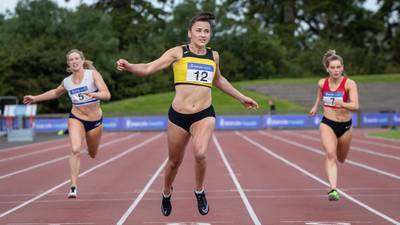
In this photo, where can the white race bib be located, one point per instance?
(330, 98)
(198, 72)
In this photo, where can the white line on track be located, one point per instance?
(61, 158)
(377, 143)
(83, 174)
(34, 153)
(297, 167)
(40, 151)
(142, 193)
(352, 147)
(190, 223)
(32, 145)
(237, 184)
(308, 148)
(307, 222)
(358, 139)
(47, 223)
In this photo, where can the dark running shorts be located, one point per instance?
(338, 127)
(186, 120)
(89, 125)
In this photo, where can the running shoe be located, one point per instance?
(166, 206)
(73, 192)
(202, 204)
(333, 195)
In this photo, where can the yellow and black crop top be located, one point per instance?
(194, 69)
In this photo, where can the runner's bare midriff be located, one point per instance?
(338, 115)
(191, 98)
(91, 112)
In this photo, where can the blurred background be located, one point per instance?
(270, 50)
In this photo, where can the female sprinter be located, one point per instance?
(191, 115)
(340, 98)
(85, 87)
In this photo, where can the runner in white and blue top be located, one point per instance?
(86, 88)
(77, 92)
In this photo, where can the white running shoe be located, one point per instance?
(73, 192)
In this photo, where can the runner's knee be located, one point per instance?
(174, 163)
(330, 156)
(76, 149)
(92, 152)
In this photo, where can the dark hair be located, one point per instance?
(329, 56)
(202, 16)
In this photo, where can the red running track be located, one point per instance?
(253, 177)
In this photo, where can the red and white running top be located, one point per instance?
(329, 97)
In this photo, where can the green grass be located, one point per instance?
(158, 104)
(378, 78)
(390, 134)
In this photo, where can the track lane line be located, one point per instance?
(357, 138)
(323, 153)
(368, 151)
(141, 194)
(297, 167)
(82, 174)
(42, 151)
(60, 158)
(239, 188)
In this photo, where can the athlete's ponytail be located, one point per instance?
(329, 56)
(87, 64)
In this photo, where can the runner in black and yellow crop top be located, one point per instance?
(191, 115)
(194, 69)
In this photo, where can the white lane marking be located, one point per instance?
(31, 145)
(357, 139)
(237, 184)
(60, 158)
(297, 167)
(377, 143)
(142, 193)
(46, 223)
(323, 153)
(82, 174)
(191, 223)
(325, 222)
(33, 153)
(40, 151)
(352, 147)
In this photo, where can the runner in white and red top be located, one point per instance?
(340, 98)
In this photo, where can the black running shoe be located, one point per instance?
(166, 206)
(202, 204)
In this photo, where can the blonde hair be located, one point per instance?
(329, 56)
(87, 64)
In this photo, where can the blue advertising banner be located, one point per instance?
(291, 121)
(224, 122)
(48, 125)
(374, 119)
(111, 124)
(143, 123)
(396, 119)
(238, 122)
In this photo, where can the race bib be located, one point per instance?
(198, 72)
(78, 94)
(330, 98)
